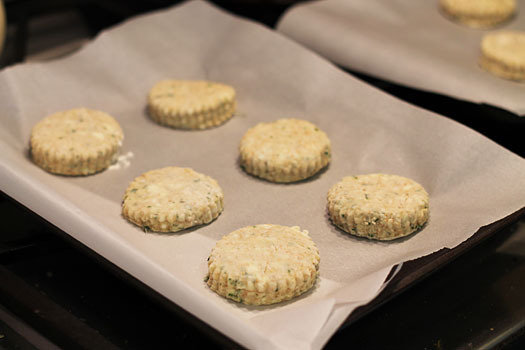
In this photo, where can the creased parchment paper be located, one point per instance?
(407, 42)
(471, 180)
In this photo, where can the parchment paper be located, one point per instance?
(471, 180)
(407, 42)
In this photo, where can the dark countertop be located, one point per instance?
(56, 293)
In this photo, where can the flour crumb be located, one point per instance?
(123, 161)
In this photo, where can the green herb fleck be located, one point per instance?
(366, 196)
(133, 190)
(416, 227)
(147, 229)
(234, 295)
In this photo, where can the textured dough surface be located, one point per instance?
(78, 141)
(285, 150)
(172, 199)
(263, 264)
(188, 104)
(479, 13)
(378, 206)
(503, 54)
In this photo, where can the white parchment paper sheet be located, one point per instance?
(471, 180)
(407, 42)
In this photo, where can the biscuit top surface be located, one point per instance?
(80, 129)
(285, 138)
(479, 7)
(172, 189)
(265, 253)
(379, 192)
(190, 95)
(507, 46)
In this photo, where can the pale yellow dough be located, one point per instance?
(479, 13)
(285, 150)
(378, 206)
(78, 141)
(172, 199)
(263, 264)
(503, 54)
(191, 104)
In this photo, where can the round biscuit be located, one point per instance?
(478, 13)
(172, 199)
(189, 104)
(78, 141)
(503, 54)
(378, 206)
(263, 264)
(285, 150)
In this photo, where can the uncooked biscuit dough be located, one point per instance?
(263, 264)
(78, 141)
(378, 206)
(172, 199)
(285, 150)
(191, 104)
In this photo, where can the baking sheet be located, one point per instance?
(471, 180)
(407, 42)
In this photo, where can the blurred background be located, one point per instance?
(39, 30)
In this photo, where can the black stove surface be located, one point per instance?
(55, 293)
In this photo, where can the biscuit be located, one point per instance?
(378, 206)
(285, 150)
(263, 264)
(478, 13)
(78, 141)
(187, 104)
(503, 54)
(172, 199)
